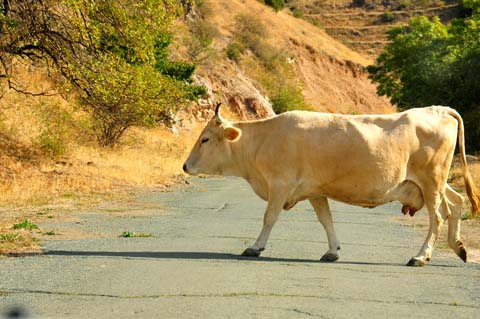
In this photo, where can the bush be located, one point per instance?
(251, 33)
(288, 98)
(203, 33)
(249, 29)
(387, 17)
(50, 144)
(58, 126)
(297, 13)
(233, 51)
(277, 5)
(274, 73)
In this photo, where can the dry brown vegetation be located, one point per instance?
(49, 149)
(49, 155)
(331, 75)
(362, 24)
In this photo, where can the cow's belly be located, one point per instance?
(371, 194)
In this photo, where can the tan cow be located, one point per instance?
(364, 160)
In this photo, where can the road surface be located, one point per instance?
(190, 267)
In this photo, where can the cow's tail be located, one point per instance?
(472, 192)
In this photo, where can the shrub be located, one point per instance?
(387, 17)
(288, 98)
(203, 33)
(251, 33)
(277, 5)
(50, 144)
(233, 51)
(26, 224)
(249, 28)
(358, 3)
(297, 13)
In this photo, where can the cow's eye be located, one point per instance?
(204, 140)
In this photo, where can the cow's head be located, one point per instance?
(212, 152)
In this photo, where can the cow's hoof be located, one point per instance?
(460, 250)
(462, 253)
(415, 262)
(329, 257)
(250, 252)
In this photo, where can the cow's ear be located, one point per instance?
(232, 134)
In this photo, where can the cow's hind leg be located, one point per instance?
(455, 201)
(275, 204)
(437, 207)
(325, 217)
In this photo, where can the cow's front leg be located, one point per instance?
(277, 199)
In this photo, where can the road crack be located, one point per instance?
(230, 295)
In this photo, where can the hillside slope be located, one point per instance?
(49, 150)
(333, 76)
(362, 24)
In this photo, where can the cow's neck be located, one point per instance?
(242, 161)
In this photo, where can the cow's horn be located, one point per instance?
(217, 108)
(217, 113)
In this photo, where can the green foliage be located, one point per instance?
(129, 234)
(430, 63)
(126, 234)
(116, 104)
(26, 224)
(249, 29)
(273, 72)
(277, 5)
(112, 55)
(251, 34)
(387, 17)
(10, 237)
(198, 45)
(474, 5)
(288, 98)
(234, 51)
(59, 126)
(50, 144)
(297, 13)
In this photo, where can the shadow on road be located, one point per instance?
(201, 255)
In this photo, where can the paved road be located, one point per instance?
(190, 268)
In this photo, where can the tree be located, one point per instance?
(429, 63)
(111, 54)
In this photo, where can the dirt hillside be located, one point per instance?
(362, 24)
(333, 76)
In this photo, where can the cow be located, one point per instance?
(363, 160)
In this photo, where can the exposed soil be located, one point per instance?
(333, 76)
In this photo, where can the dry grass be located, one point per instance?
(18, 243)
(68, 168)
(86, 176)
(332, 75)
(49, 150)
(470, 227)
(456, 175)
(153, 158)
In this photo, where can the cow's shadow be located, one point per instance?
(190, 255)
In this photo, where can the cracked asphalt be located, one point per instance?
(190, 267)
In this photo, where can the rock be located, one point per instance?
(239, 92)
